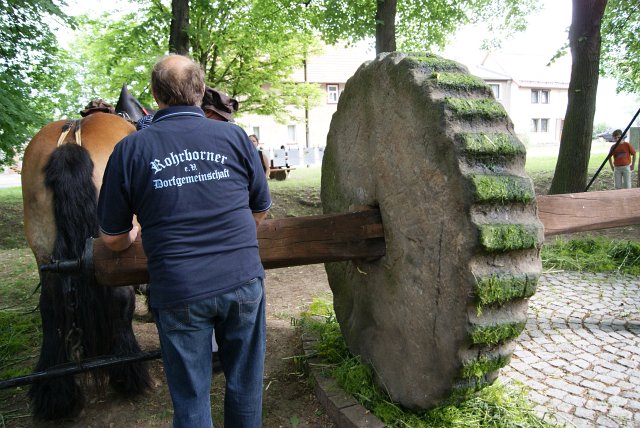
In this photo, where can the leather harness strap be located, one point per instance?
(76, 126)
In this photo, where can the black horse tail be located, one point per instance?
(66, 332)
(79, 319)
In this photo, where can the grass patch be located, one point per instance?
(507, 237)
(300, 178)
(547, 164)
(502, 188)
(19, 275)
(499, 289)
(20, 333)
(477, 369)
(11, 219)
(468, 109)
(458, 81)
(436, 63)
(490, 144)
(19, 341)
(594, 254)
(298, 195)
(496, 406)
(494, 334)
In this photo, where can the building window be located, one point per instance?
(539, 96)
(256, 132)
(539, 125)
(495, 87)
(332, 94)
(544, 125)
(291, 133)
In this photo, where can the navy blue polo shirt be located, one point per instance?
(193, 184)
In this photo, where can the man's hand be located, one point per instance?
(120, 242)
(258, 217)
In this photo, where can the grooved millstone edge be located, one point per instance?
(427, 143)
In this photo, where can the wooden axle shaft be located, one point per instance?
(283, 242)
(582, 212)
(359, 235)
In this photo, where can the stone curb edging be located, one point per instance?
(341, 407)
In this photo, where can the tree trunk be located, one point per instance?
(178, 37)
(575, 143)
(386, 26)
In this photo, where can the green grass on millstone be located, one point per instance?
(493, 334)
(477, 369)
(502, 188)
(490, 145)
(469, 108)
(499, 289)
(437, 64)
(507, 237)
(458, 81)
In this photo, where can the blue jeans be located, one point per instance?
(185, 340)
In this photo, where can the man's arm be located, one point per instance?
(120, 242)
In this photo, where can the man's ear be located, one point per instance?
(160, 104)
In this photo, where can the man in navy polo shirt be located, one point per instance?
(198, 191)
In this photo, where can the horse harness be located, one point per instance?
(76, 126)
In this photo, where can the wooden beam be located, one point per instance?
(581, 212)
(359, 235)
(283, 242)
(318, 239)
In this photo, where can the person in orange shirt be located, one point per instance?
(622, 158)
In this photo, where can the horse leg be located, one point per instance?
(59, 397)
(143, 290)
(127, 379)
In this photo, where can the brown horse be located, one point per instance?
(61, 177)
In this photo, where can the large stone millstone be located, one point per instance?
(427, 143)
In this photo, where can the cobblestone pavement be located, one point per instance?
(580, 353)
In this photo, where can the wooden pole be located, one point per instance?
(581, 212)
(360, 235)
(283, 242)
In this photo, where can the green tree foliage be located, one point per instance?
(253, 51)
(621, 44)
(109, 52)
(31, 71)
(248, 49)
(420, 24)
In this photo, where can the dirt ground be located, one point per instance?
(289, 400)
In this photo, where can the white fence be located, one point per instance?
(296, 157)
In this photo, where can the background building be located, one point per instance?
(533, 93)
(535, 97)
(330, 71)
